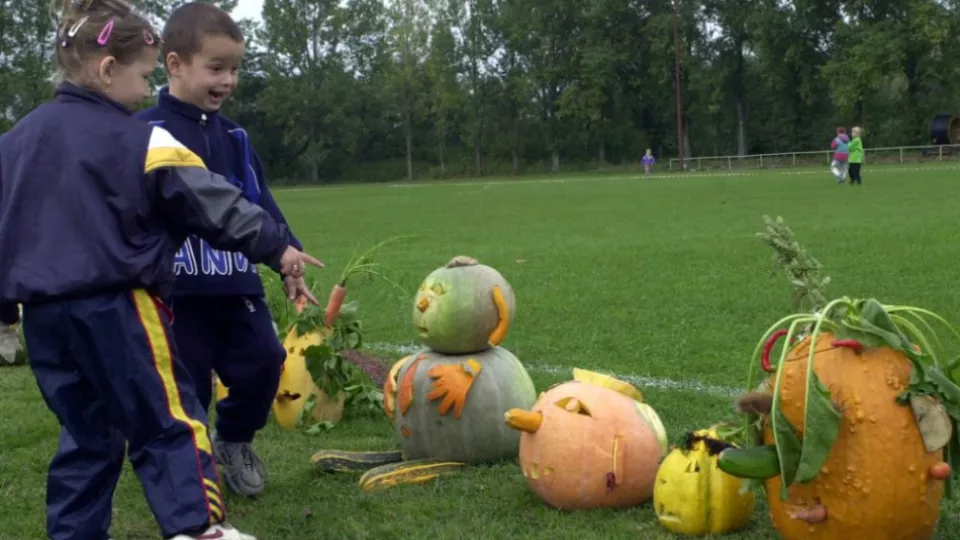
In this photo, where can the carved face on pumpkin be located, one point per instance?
(693, 496)
(464, 307)
(586, 446)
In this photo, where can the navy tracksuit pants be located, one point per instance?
(108, 370)
(234, 336)
(9, 313)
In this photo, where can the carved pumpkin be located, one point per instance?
(452, 407)
(586, 446)
(296, 385)
(463, 307)
(693, 496)
(876, 482)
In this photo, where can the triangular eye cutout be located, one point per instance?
(574, 405)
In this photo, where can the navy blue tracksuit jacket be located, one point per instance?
(94, 204)
(223, 323)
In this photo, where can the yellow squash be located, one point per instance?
(693, 496)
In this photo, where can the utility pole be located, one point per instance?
(676, 69)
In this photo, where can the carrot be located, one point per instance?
(337, 295)
(301, 303)
(940, 471)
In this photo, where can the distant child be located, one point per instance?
(648, 160)
(223, 321)
(840, 145)
(856, 156)
(88, 251)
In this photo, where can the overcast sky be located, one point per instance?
(248, 9)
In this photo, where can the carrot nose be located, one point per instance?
(423, 304)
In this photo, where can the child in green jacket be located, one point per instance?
(856, 156)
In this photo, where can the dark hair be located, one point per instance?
(841, 130)
(190, 23)
(90, 28)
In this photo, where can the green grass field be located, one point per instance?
(659, 279)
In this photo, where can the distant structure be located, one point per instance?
(945, 129)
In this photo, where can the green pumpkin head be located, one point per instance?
(464, 307)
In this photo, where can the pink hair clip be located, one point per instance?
(105, 33)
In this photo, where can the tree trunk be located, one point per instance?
(478, 152)
(741, 128)
(443, 165)
(515, 147)
(555, 160)
(601, 149)
(409, 136)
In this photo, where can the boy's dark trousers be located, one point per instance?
(855, 173)
(107, 369)
(234, 336)
(9, 313)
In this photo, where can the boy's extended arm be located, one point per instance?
(205, 204)
(266, 199)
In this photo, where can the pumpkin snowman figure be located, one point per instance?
(448, 400)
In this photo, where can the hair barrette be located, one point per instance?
(76, 26)
(105, 33)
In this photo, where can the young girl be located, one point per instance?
(840, 145)
(648, 161)
(89, 253)
(856, 156)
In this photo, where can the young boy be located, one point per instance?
(856, 156)
(840, 145)
(222, 320)
(648, 161)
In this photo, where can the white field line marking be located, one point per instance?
(618, 177)
(641, 381)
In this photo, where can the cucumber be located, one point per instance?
(344, 461)
(759, 462)
(416, 471)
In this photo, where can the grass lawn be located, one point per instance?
(661, 279)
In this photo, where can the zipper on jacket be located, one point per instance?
(206, 139)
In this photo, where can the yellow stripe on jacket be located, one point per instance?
(164, 150)
(163, 362)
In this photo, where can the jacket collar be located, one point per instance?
(69, 90)
(187, 110)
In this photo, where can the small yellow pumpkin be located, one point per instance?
(296, 384)
(693, 496)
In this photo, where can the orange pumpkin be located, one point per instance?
(586, 446)
(875, 482)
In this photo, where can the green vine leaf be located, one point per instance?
(821, 427)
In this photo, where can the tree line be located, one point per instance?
(376, 90)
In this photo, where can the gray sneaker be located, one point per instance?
(10, 350)
(241, 469)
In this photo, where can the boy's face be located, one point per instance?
(208, 78)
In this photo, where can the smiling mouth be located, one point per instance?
(217, 95)
(422, 330)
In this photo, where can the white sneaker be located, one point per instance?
(221, 531)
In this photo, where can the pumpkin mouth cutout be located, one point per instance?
(574, 405)
(535, 471)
